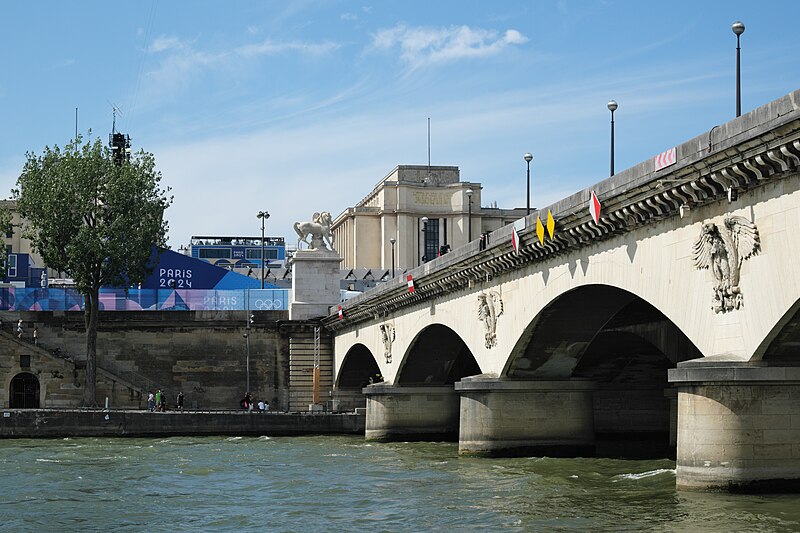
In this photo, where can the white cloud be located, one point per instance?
(349, 16)
(164, 43)
(422, 46)
(270, 47)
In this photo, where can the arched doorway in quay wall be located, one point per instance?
(24, 392)
(623, 347)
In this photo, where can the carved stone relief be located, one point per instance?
(490, 306)
(387, 335)
(722, 248)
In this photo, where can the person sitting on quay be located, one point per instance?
(246, 403)
(261, 405)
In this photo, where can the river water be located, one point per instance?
(345, 484)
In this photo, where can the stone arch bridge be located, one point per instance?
(670, 325)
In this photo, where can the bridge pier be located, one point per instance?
(738, 426)
(508, 418)
(411, 413)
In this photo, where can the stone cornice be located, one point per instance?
(761, 146)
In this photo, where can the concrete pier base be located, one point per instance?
(518, 418)
(738, 427)
(411, 413)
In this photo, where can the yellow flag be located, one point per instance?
(540, 230)
(551, 224)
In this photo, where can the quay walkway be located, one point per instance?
(60, 423)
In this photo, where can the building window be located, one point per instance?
(214, 253)
(11, 266)
(255, 253)
(432, 239)
(9, 231)
(24, 361)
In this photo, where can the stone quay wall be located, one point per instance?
(51, 423)
(202, 353)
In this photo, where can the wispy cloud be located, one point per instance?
(348, 16)
(270, 47)
(421, 46)
(181, 60)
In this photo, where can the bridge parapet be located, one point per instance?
(761, 146)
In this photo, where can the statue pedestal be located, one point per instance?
(315, 283)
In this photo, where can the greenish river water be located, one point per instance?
(344, 484)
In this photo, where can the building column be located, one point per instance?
(411, 413)
(515, 418)
(738, 426)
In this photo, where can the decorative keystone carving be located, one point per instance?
(320, 230)
(490, 306)
(722, 249)
(387, 334)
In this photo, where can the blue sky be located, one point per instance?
(303, 106)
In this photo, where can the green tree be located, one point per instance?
(5, 227)
(93, 219)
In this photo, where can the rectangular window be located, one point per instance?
(432, 239)
(11, 266)
(24, 361)
(214, 253)
(255, 253)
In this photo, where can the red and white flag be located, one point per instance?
(410, 283)
(594, 208)
(515, 240)
(341, 313)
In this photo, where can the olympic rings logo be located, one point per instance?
(267, 304)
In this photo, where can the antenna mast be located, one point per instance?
(429, 148)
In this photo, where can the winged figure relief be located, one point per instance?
(722, 248)
(490, 306)
(387, 335)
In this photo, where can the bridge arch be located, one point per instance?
(437, 356)
(555, 340)
(623, 346)
(783, 342)
(359, 369)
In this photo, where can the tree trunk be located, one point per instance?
(91, 318)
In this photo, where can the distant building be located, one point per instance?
(24, 268)
(426, 210)
(239, 252)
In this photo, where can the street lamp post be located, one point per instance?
(424, 239)
(469, 215)
(528, 158)
(263, 215)
(392, 241)
(738, 28)
(612, 106)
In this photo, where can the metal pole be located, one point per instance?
(392, 241)
(262, 252)
(738, 28)
(528, 196)
(738, 79)
(469, 220)
(612, 143)
(247, 343)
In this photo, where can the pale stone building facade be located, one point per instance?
(423, 209)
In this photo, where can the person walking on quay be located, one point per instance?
(19, 329)
(36, 336)
(163, 407)
(158, 400)
(151, 402)
(180, 401)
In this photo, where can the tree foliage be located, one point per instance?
(5, 227)
(94, 220)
